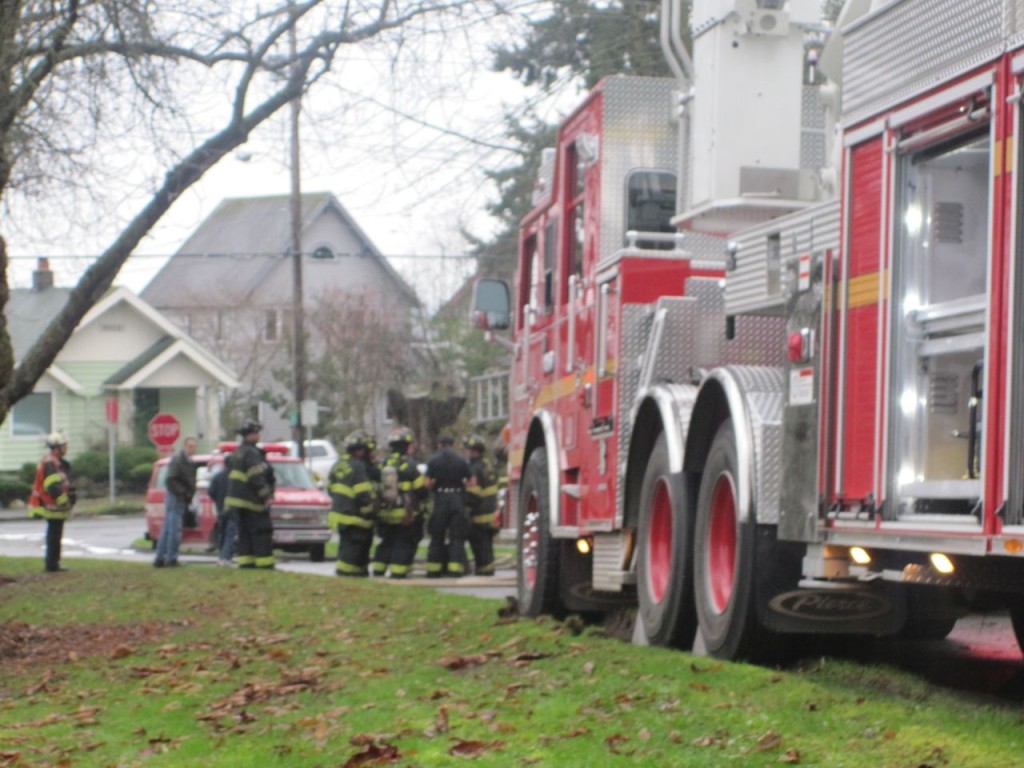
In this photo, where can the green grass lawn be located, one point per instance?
(119, 664)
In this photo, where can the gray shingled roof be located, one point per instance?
(239, 244)
(28, 314)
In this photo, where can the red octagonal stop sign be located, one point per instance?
(164, 430)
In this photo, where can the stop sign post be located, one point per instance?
(164, 431)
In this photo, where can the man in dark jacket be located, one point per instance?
(179, 488)
(250, 491)
(227, 522)
(447, 475)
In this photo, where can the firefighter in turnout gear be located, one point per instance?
(447, 476)
(53, 496)
(250, 489)
(400, 520)
(481, 504)
(352, 508)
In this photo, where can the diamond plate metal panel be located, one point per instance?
(764, 393)
(675, 353)
(907, 44)
(813, 154)
(636, 329)
(758, 340)
(1013, 17)
(640, 131)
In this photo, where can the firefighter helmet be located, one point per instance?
(249, 426)
(355, 440)
(371, 443)
(55, 439)
(400, 436)
(474, 443)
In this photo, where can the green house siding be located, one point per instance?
(182, 403)
(85, 416)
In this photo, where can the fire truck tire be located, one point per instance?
(664, 568)
(537, 563)
(724, 554)
(317, 553)
(1016, 607)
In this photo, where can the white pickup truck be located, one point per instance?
(320, 456)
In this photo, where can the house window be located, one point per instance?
(271, 328)
(32, 415)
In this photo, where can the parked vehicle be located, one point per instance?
(298, 510)
(788, 399)
(321, 455)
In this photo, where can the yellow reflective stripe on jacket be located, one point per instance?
(476, 490)
(50, 514)
(334, 519)
(342, 490)
(233, 502)
(237, 474)
(487, 519)
(392, 516)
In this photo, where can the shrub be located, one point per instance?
(137, 478)
(27, 473)
(14, 489)
(95, 465)
(91, 465)
(128, 457)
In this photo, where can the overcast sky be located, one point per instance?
(402, 147)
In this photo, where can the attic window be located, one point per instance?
(323, 253)
(271, 327)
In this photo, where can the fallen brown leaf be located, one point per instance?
(767, 740)
(463, 748)
(463, 662)
(373, 754)
(791, 756)
(614, 743)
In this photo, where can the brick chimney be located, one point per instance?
(42, 276)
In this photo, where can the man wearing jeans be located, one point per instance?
(180, 487)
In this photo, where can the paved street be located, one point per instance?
(111, 538)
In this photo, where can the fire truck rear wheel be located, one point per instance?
(317, 553)
(537, 565)
(1016, 607)
(664, 568)
(724, 556)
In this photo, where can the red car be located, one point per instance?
(298, 510)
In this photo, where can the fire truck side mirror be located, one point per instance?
(491, 305)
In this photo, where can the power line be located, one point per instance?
(239, 255)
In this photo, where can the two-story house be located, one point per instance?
(230, 286)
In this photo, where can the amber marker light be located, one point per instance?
(1013, 546)
(859, 555)
(941, 563)
(583, 546)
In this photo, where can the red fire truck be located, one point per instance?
(767, 323)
